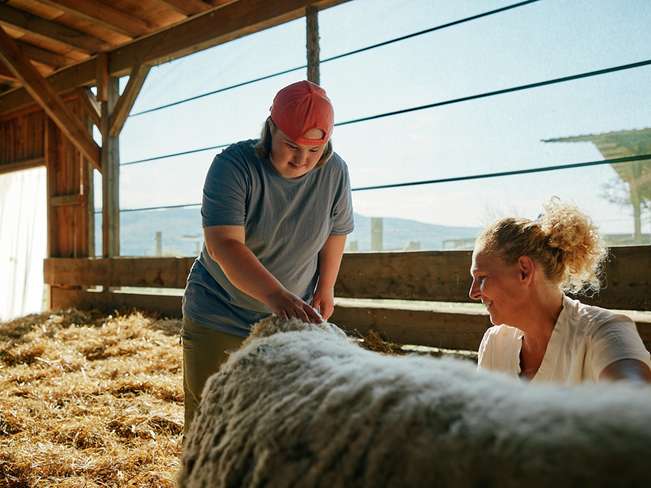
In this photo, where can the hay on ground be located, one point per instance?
(90, 400)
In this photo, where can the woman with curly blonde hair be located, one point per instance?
(521, 270)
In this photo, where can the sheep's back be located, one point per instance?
(303, 406)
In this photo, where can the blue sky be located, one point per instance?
(544, 40)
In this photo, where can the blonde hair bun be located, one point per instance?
(563, 240)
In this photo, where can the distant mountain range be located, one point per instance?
(181, 234)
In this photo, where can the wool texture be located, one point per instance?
(302, 405)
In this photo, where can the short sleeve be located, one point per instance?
(615, 340)
(342, 210)
(484, 350)
(225, 191)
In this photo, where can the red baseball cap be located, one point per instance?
(300, 107)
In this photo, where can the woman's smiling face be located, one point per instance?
(499, 286)
(293, 160)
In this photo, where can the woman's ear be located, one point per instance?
(526, 268)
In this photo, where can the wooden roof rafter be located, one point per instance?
(105, 15)
(47, 98)
(49, 30)
(50, 58)
(225, 20)
(188, 7)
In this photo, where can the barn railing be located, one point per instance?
(408, 291)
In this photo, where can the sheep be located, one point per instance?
(302, 405)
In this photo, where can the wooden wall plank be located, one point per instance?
(21, 140)
(429, 276)
(166, 305)
(68, 174)
(420, 327)
(121, 271)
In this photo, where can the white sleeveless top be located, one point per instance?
(585, 340)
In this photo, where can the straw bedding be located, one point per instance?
(89, 400)
(301, 405)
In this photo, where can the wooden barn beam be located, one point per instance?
(7, 74)
(44, 56)
(229, 22)
(220, 3)
(50, 30)
(47, 98)
(201, 32)
(103, 14)
(128, 98)
(187, 7)
(21, 165)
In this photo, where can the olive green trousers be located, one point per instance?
(204, 351)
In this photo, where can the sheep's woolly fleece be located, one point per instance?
(301, 405)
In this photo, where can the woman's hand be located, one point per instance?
(324, 301)
(287, 305)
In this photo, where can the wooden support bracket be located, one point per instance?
(47, 98)
(125, 103)
(91, 105)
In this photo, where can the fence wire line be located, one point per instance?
(171, 155)
(528, 86)
(539, 169)
(338, 56)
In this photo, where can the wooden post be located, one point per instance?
(377, 234)
(108, 95)
(159, 243)
(312, 45)
(50, 151)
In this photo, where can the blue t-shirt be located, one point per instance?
(286, 223)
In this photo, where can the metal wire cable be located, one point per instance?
(338, 56)
(452, 101)
(528, 86)
(171, 155)
(539, 169)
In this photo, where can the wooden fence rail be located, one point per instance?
(440, 276)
